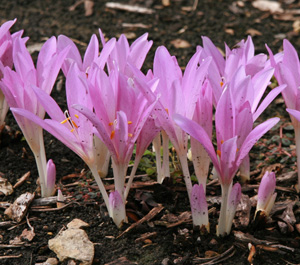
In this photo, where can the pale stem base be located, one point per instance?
(201, 162)
(182, 154)
(222, 228)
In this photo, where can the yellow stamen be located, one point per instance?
(112, 134)
(76, 116)
(221, 83)
(110, 124)
(219, 153)
(129, 122)
(167, 111)
(65, 120)
(237, 150)
(222, 141)
(72, 130)
(130, 134)
(73, 122)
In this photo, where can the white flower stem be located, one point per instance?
(100, 184)
(201, 162)
(297, 139)
(166, 159)
(222, 224)
(132, 174)
(185, 170)
(157, 146)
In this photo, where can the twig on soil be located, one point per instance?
(215, 260)
(247, 238)
(11, 257)
(51, 209)
(46, 201)
(14, 226)
(129, 8)
(22, 180)
(149, 216)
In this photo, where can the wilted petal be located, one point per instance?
(117, 208)
(199, 207)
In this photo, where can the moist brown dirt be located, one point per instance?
(222, 21)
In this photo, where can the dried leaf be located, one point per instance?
(229, 31)
(296, 26)
(165, 2)
(88, 7)
(179, 43)
(5, 187)
(20, 207)
(22, 179)
(265, 5)
(253, 32)
(243, 212)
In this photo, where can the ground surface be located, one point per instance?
(171, 242)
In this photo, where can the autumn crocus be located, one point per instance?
(250, 74)
(235, 138)
(69, 126)
(178, 94)
(121, 111)
(17, 86)
(91, 57)
(266, 194)
(287, 72)
(6, 59)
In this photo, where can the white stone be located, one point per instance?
(73, 244)
(77, 223)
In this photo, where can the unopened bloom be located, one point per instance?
(266, 193)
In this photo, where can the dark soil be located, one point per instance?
(222, 21)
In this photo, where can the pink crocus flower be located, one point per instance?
(91, 57)
(235, 138)
(6, 59)
(121, 111)
(250, 74)
(266, 195)
(287, 72)
(17, 86)
(124, 54)
(178, 94)
(70, 127)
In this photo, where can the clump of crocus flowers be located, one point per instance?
(114, 108)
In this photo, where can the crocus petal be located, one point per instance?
(91, 53)
(199, 207)
(139, 49)
(295, 113)
(267, 100)
(260, 82)
(291, 60)
(98, 126)
(196, 131)
(254, 136)
(227, 160)
(213, 51)
(73, 54)
(225, 117)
